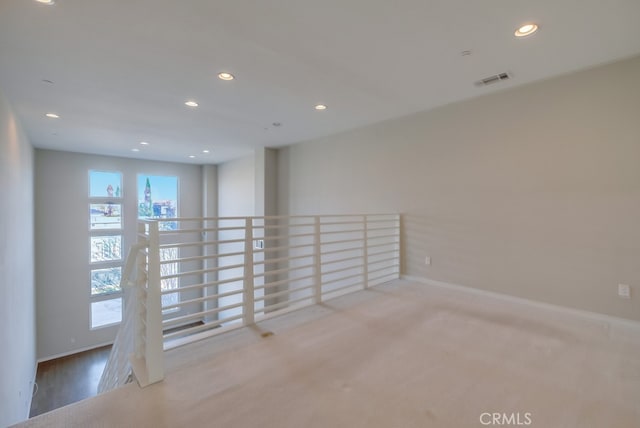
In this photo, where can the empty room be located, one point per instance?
(341, 213)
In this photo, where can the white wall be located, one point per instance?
(236, 197)
(209, 190)
(236, 187)
(62, 239)
(533, 191)
(266, 182)
(17, 285)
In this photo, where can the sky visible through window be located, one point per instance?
(105, 184)
(165, 188)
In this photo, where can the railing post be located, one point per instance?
(399, 232)
(365, 254)
(138, 295)
(317, 269)
(248, 316)
(154, 352)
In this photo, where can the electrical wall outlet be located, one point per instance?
(624, 291)
(427, 261)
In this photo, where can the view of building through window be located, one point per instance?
(158, 199)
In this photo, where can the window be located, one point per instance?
(105, 216)
(158, 199)
(105, 184)
(105, 247)
(106, 312)
(105, 281)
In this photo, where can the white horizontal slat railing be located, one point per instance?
(126, 346)
(197, 277)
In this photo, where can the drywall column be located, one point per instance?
(210, 209)
(235, 199)
(266, 182)
(266, 204)
(17, 284)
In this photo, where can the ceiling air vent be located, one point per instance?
(493, 79)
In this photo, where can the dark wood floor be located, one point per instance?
(68, 379)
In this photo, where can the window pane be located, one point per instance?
(105, 216)
(103, 184)
(106, 312)
(157, 197)
(106, 248)
(105, 281)
(167, 269)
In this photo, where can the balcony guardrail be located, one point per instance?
(197, 277)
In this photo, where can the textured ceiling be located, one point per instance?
(122, 70)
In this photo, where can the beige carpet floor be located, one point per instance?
(399, 355)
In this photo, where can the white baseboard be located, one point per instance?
(75, 351)
(594, 316)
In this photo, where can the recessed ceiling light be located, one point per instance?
(225, 76)
(47, 2)
(144, 143)
(526, 30)
(206, 151)
(191, 156)
(52, 116)
(320, 107)
(135, 150)
(191, 103)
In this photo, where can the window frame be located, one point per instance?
(108, 231)
(140, 189)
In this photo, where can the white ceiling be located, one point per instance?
(122, 69)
